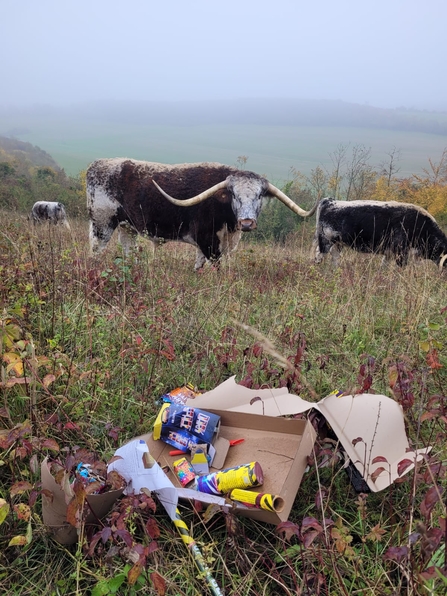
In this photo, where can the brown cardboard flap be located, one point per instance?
(54, 511)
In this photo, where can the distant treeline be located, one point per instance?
(268, 112)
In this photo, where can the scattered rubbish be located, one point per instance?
(59, 505)
(180, 395)
(223, 481)
(370, 427)
(127, 462)
(254, 499)
(183, 426)
(184, 471)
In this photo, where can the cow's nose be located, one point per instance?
(247, 224)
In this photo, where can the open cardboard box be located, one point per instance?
(369, 426)
(280, 445)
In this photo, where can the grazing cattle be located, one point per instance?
(389, 228)
(225, 202)
(49, 211)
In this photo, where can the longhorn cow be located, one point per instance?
(50, 211)
(212, 204)
(390, 228)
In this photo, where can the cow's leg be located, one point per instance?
(317, 254)
(99, 235)
(127, 237)
(228, 241)
(335, 254)
(200, 260)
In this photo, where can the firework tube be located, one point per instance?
(261, 500)
(222, 482)
(196, 553)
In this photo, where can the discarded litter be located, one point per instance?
(60, 510)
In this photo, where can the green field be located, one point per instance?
(271, 150)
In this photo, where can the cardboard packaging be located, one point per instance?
(183, 426)
(54, 510)
(280, 445)
(369, 426)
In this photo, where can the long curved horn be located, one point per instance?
(442, 261)
(289, 203)
(193, 200)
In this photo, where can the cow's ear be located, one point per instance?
(223, 196)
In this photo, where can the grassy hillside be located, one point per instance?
(274, 139)
(100, 340)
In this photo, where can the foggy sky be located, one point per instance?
(386, 53)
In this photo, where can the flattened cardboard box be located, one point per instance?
(280, 445)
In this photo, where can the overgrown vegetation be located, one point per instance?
(89, 345)
(28, 174)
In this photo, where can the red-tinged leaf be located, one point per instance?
(50, 444)
(19, 488)
(158, 582)
(125, 536)
(71, 426)
(153, 546)
(443, 418)
(309, 537)
(433, 359)
(198, 506)
(32, 498)
(152, 528)
(257, 350)
(105, 533)
(396, 553)
(432, 497)
(429, 415)
(357, 440)
(442, 523)
(74, 513)
(288, 530)
(23, 511)
(18, 541)
(379, 459)
(134, 573)
(430, 573)
(93, 542)
(311, 522)
(70, 463)
(403, 466)
(377, 473)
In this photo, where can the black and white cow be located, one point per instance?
(390, 228)
(52, 212)
(225, 202)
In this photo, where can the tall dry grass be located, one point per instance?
(115, 333)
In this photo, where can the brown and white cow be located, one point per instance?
(390, 228)
(225, 202)
(50, 211)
